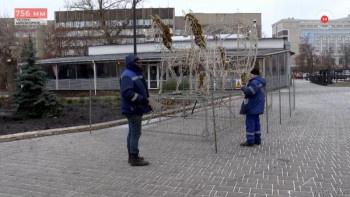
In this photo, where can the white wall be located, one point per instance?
(155, 47)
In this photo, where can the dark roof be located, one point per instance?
(144, 56)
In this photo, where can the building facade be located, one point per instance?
(324, 37)
(21, 34)
(78, 30)
(73, 32)
(206, 19)
(102, 69)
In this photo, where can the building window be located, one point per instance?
(88, 23)
(140, 40)
(61, 24)
(96, 23)
(148, 22)
(139, 22)
(69, 24)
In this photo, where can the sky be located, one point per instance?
(271, 10)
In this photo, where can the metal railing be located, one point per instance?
(83, 84)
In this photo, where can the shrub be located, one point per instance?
(81, 100)
(171, 85)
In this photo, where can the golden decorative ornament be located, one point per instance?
(166, 36)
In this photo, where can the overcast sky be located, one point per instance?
(271, 10)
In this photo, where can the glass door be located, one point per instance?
(153, 76)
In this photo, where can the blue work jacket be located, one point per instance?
(254, 99)
(133, 88)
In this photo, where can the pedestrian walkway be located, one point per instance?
(307, 155)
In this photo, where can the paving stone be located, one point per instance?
(307, 155)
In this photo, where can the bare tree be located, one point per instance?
(99, 10)
(8, 61)
(306, 57)
(327, 60)
(58, 42)
(345, 57)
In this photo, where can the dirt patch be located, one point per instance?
(72, 115)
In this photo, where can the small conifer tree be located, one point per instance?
(32, 97)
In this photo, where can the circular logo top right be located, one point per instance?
(324, 16)
(324, 19)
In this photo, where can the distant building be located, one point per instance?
(212, 18)
(38, 34)
(73, 32)
(83, 29)
(331, 36)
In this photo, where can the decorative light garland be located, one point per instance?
(196, 30)
(166, 36)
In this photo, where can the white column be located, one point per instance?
(148, 77)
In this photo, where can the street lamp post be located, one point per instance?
(134, 24)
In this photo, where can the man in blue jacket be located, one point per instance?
(134, 101)
(252, 106)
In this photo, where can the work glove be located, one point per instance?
(144, 101)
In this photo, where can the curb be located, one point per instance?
(57, 131)
(82, 128)
(66, 130)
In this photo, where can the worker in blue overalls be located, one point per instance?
(253, 106)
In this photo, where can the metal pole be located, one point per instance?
(95, 77)
(290, 104)
(279, 91)
(90, 101)
(294, 91)
(194, 107)
(212, 105)
(267, 113)
(56, 82)
(230, 106)
(134, 24)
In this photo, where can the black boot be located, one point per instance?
(246, 144)
(129, 158)
(135, 160)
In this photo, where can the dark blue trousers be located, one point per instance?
(134, 134)
(253, 132)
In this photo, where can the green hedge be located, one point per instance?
(171, 85)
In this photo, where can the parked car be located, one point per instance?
(297, 76)
(306, 76)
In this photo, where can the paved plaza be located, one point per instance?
(308, 154)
